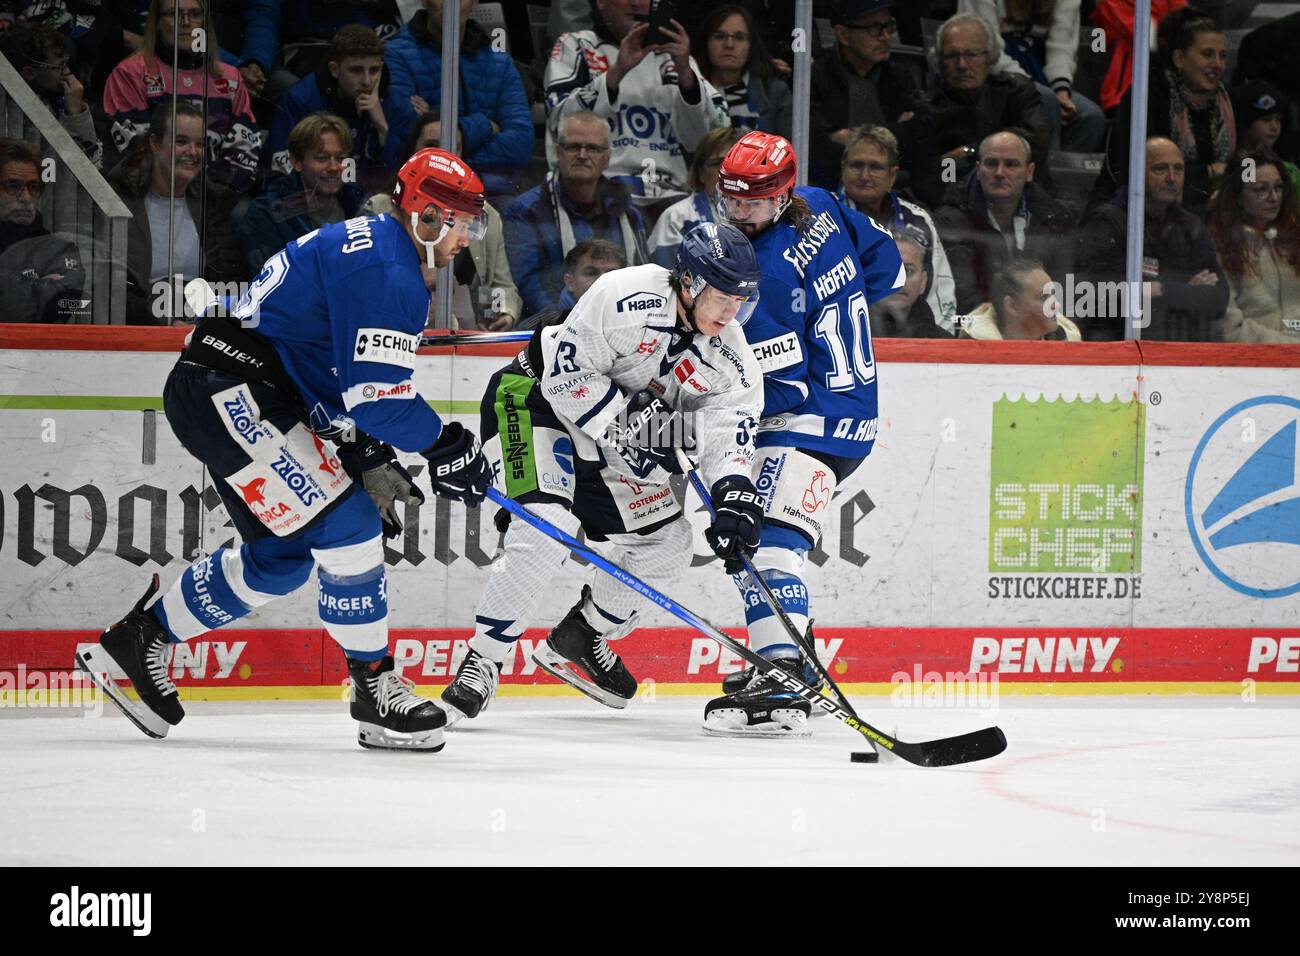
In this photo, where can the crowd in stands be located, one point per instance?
(230, 128)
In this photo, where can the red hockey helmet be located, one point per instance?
(759, 166)
(436, 178)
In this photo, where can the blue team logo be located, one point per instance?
(1243, 497)
(563, 452)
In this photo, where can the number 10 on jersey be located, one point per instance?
(835, 326)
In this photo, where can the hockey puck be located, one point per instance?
(864, 756)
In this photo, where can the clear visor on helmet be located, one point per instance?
(737, 209)
(472, 226)
(719, 306)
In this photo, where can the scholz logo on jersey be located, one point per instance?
(386, 347)
(639, 302)
(296, 477)
(1242, 498)
(778, 353)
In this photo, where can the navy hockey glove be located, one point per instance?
(647, 434)
(737, 521)
(374, 465)
(457, 468)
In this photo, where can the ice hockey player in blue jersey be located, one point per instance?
(823, 265)
(295, 403)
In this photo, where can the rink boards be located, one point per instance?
(1127, 519)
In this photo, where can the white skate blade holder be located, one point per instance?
(734, 722)
(562, 669)
(374, 737)
(100, 667)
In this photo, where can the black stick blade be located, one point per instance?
(980, 745)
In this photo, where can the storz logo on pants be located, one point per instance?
(1242, 498)
(243, 417)
(299, 482)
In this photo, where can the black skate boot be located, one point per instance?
(580, 657)
(138, 647)
(391, 716)
(763, 709)
(474, 687)
(734, 683)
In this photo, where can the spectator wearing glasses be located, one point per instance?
(350, 86)
(1040, 40)
(1189, 292)
(907, 313)
(868, 173)
(1187, 103)
(700, 206)
(577, 201)
(732, 56)
(180, 226)
(484, 295)
(40, 54)
(855, 84)
(970, 101)
(1255, 221)
(314, 193)
(999, 214)
(1023, 307)
(145, 79)
(655, 99)
(41, 275)
(1261, 111)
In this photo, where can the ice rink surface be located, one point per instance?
(1087, 780)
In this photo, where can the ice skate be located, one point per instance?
(474, 687)
(136, 646)
(392, 717)
(763, 709)
(580, 657)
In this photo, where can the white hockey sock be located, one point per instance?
(518, 579)
(659, 559)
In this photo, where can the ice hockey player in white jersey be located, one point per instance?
(321, 349)
(822, 266)
(582, 428)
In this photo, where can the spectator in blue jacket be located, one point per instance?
(287, 33)
(495, 122)
(350, 86)
(313, 195)
(576, 202)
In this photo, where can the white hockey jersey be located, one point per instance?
(651, 125)
(622, 337)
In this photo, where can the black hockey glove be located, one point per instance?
(374, 465)
(646, 435)
(457, 468)
(737, 521)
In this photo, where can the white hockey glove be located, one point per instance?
(374, 465)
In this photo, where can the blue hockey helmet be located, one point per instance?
(718, 254)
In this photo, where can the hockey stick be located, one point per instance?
(803, 641)
(979, 745)
(476, 338)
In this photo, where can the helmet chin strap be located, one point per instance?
(688, 311)
(428, 246)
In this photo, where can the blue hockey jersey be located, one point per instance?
(344, 307)
(811, 333)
